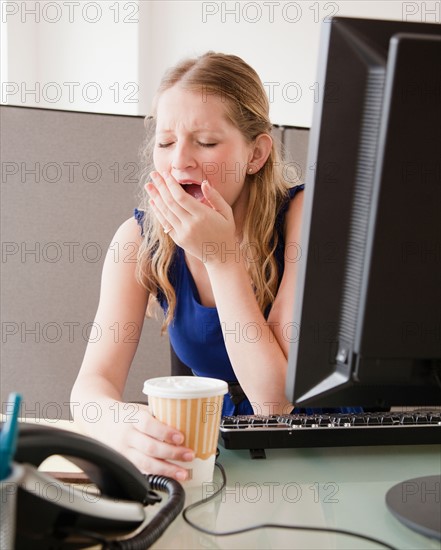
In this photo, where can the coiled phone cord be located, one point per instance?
(158, 524)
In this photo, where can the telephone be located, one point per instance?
(50, 514)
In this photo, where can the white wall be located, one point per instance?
(120, 49)
(279, 39)
(80, 56)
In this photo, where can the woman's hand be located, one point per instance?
(150, 444)
(204, 228)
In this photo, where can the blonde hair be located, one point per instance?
(247, 108)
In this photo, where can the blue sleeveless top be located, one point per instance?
(195, 332)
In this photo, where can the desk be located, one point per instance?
(340, 487)
(330, 487)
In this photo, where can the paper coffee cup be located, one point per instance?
(193, 405)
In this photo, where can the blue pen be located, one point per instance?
(8, 436)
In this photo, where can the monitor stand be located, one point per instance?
(416, 503)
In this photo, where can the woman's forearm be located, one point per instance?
(255, 353)
(96, 405)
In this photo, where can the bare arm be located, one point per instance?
(258, 348)
(103, 374)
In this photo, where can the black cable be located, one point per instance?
(160, 522)
(267, 525)
(150, 533)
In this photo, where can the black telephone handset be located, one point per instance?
(51, 514)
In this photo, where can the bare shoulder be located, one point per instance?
(119, 271)
(293, 225)
(294, 215)
(129, 232)
(283, 305)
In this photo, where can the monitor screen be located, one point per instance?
(368, 307)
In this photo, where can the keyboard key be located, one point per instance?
(309, 421)
(272, 420)
(294, 421)
(228, 421)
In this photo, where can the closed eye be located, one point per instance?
(207, 144)
(202, 144)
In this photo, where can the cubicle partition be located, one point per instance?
(69, 179)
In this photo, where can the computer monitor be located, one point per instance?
(366, 325)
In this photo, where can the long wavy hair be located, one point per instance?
(247, 108)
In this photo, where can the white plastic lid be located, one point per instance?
(184, 387)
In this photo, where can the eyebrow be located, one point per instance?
(195, 131)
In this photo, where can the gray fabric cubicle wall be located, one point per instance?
(68, 180)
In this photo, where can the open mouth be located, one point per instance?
(193, 189)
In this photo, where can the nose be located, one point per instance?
(183, 157)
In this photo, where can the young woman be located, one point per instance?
(215, 245)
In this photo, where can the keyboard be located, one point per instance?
(257, 432)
